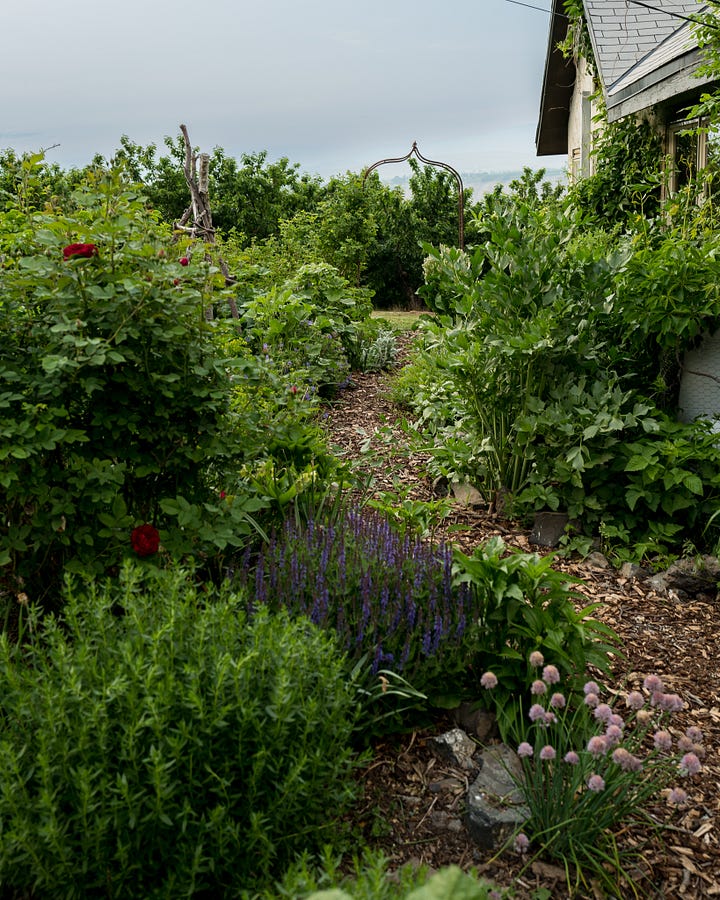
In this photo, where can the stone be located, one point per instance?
(495, 804)
(480, 723)
(456, 748)
(466, 494)
(632, 571)
(597, 560)
(694, 576)
(548, 528)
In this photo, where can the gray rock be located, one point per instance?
(597, 560)
(632, 571)
(455, 748)
(478, 722)
(548, 528)
(694, 576)
(494, 808)
(466, 494)
(658, 584)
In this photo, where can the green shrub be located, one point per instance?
(369, 881)
(157, 743)
(114, 392)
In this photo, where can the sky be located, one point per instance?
(332, 85)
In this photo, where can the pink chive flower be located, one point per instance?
(634, 700)
(613, 735)
(547, 753)
(591, 700)
(621, 757)
(522, 842)
(685, 745)
(695, 734)
(670, 703)
(591, 687)
(690, 764)
(615, 719)
(550, 675)
(662, 740)
(603, 712)
(596, 783)
(571, 758)
(653, 684)
(536, 712)
(525, 750)
(549, 718)
(536, 659)
(644, 717)
(538, 687)
(677, 797)
(597, 745)
(557, 701)
(489, 681)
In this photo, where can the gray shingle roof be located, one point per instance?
(624, 33)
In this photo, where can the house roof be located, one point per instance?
(643, 56)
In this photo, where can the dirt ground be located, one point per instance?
(413, 804)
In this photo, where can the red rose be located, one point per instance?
(84, 251)
(176, 281)
(184, 261)
(145, 540)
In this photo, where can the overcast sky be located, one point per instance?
(331, 84)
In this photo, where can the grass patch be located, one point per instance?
(399, 319)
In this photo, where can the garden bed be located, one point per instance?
(413, 806)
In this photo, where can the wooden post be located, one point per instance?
(199, 209)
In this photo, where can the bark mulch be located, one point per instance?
(413, 804)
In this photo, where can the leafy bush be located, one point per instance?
(526, 606)
(390, 598)
(157, 742)
(369, 881)
(589, 770)
(114, 390)
(438, 619)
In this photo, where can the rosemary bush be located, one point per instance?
(158, 743)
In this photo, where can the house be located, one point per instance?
(644, 60)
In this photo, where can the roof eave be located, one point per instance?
(558, 82)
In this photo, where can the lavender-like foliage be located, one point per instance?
(387, 595)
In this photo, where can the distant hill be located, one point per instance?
(482, 182)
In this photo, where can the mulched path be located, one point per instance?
(413, 803)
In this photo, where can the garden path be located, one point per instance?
(412, 808)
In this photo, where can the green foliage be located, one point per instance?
(250, 198)
(155, 722)
(625, 188)
(590, 770)
(524, 606)
(113, 388)
(369, 881)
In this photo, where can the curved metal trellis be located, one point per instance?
(431, 162)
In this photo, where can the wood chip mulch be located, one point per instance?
(413, 807)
